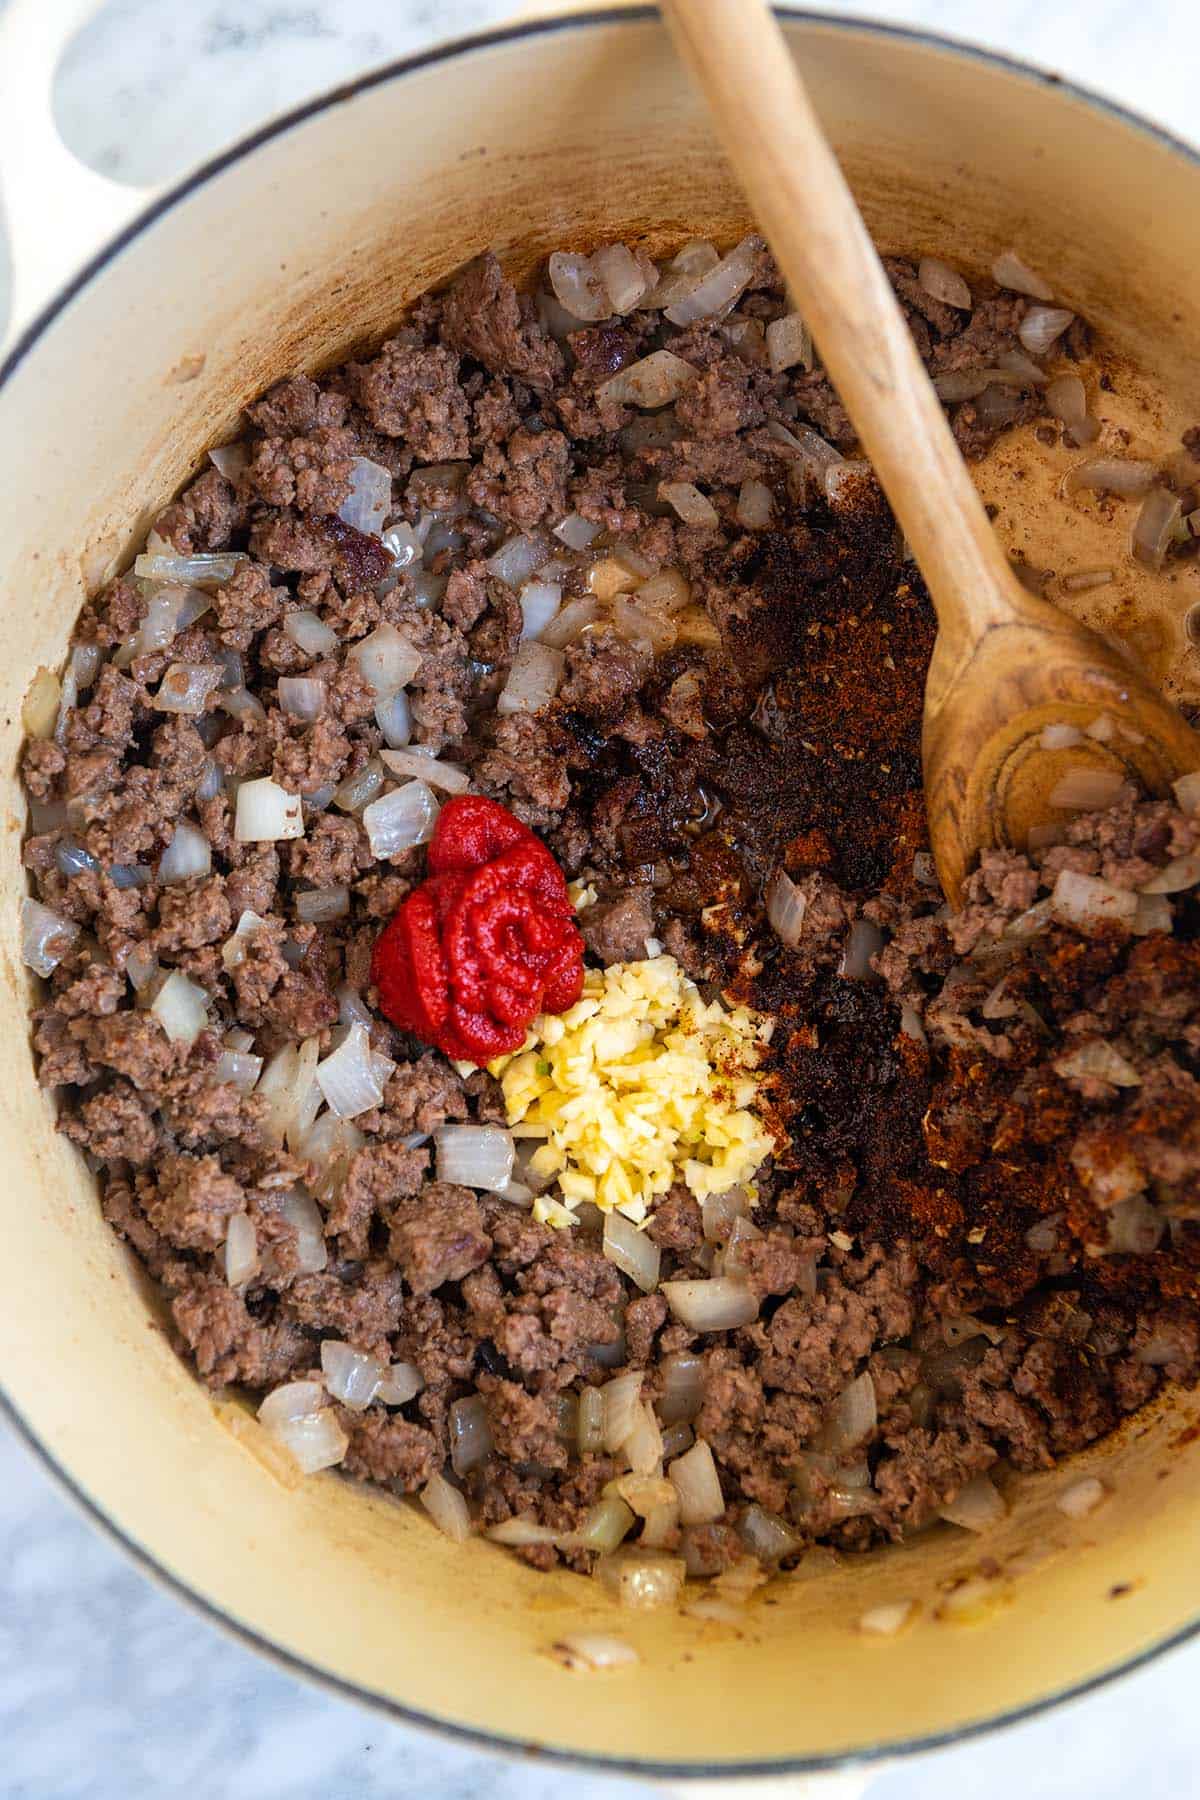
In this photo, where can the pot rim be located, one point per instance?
(869, 1756)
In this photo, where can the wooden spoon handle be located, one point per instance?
(808, 214)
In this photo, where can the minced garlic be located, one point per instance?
(641, 1084)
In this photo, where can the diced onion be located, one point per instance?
(393, 715)
(386, 660)
(1181, 873)
(1042, 1236)
(474, 1156)
(309, 633)
(1187, 792)
(241, 1251)
(1082, 1497)
(943, 283)
(854, 1416)
(1086, 901)
(369, 501)
(403, 545)
(267, 813)
(354, 793)
(401, 1382)
(301, 696)
(579, 287)
(622, 1398)
(693, 507)
(1008, 271)
(717, 291)
(470, 1434)
(210, 782)
(434, 774)
(590, 1424)
(976, 1507)
(1066, 400)
(683, 273)
(186, 686)
(316, 906)
(789, 342)
(605, 1525)
(242, 705)
(969, 384)
(592, 1651)
(533, 679)
(655, 381)
(643, 1448)
(447, 1508)
(1042, 326)
(188, 853)
(633, 1252)
(698, 1485)
(1059, 737)
(517, 559)
(1153, 914)
(1109, 1179)
(1097, 1060)
(521, 1533)
(755, 505)
(1156, 526)
(574, 618)
(346, 1077)
(540, 601)
(168, 612)
(294, 1400)
(39, 709)
(1162, 1347)
(576, 532)
(141, 966)
(1110, 475)
(400, 819)
(350, 1376)
(210, 570)
(642, 1580)
(886, 1621)
(301, 1212)
(863, 941)
(809, 447)
(239, 1068)
(722, 1304)
(45, 937)
(1087, 789)
(1081, 581)
(786, 906)
(650, 631)
(316, 1442)
(623, 277)
(682, 1387)
(720, 1212)
(767, 1536)
(1135, 1227)
(229, 460)
(181, 1008)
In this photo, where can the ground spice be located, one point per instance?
(819, 769)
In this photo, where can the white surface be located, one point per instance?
(109, 1689)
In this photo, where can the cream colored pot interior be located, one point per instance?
(284, 258)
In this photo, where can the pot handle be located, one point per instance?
(56, 210)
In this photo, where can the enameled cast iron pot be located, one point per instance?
(286, 252)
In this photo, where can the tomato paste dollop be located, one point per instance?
(486, 943)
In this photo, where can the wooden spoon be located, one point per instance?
(1005, 665)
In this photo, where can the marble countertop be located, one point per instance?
(109, 1688)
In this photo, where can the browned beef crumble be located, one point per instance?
(938, 1213)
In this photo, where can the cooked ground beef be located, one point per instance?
(986, 1188)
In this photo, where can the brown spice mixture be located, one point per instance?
(952, 1214)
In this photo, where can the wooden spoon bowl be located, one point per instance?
(995, 767)
(1005, 665)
